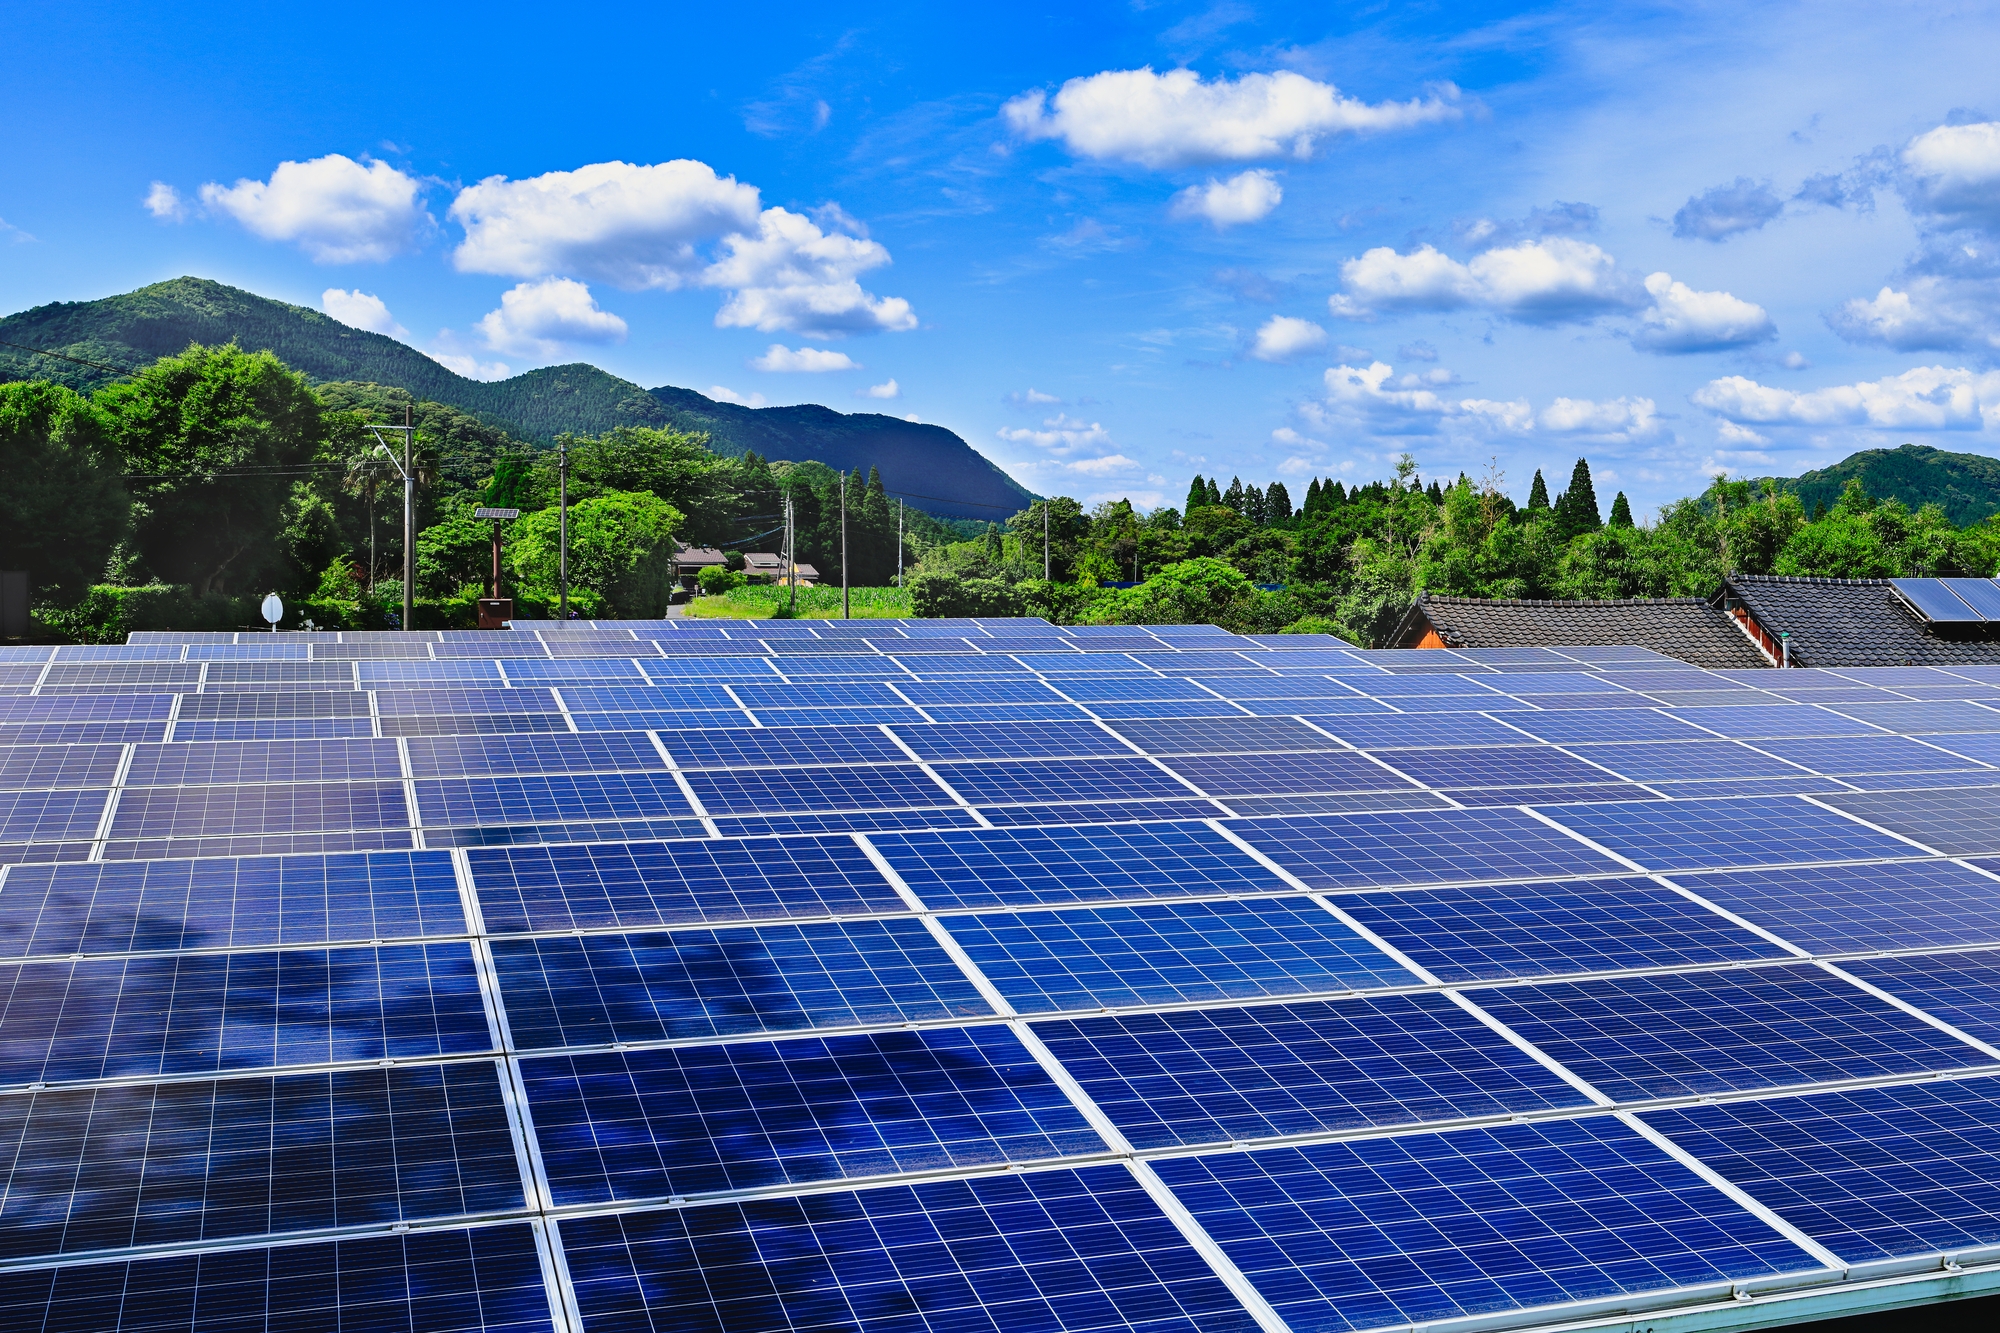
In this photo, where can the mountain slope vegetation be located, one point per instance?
(137, 328)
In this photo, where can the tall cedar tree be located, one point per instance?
(1332, 497)
(1278, 502)
(1233, 497)
(1435, 494)
(1538, 494)
(1253, 506)
(1621, 513)
(1311, 508)
(1214, 492)
(1576, 508)
(1197, 493)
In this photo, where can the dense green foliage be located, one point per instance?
(134, 329)
(1350, 561)
(1965, 486)
(64, 506)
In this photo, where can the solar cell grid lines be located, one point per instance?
(819, 1048)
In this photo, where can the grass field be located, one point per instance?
(762, 602)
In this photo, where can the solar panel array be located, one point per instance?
(984, 975)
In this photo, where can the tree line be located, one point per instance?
(225, 474)
(1350, 559)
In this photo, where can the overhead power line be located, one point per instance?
(64, 356)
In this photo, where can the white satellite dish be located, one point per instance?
(274, 610)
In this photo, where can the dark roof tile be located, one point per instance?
(1850, 622)
(1684, 627)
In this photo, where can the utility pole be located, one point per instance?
(409, 430)
(1045, 541)
(899, 543)
(843, 546)
(791, 555)
(409, 516)
(562, 527)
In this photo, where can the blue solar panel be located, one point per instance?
(861, 787)
(1100, 812)
(236, 762)
(1529, 930)
(50, 816)
(1508, 766)
(1690, 835)
(705, 983)
(1055, 1251)
(175, 1163)
(1001, 691)
(1758, 722)
(481, 1280)
(444, 702)
(1170, 953)
(1874, 754)
(1202, 736)
(1231, 1075)
(1851, 909)
(702, 1119)
(1428, 847)
(263, 704)
(1870, 1174)
(1953, 822)
(541, 752)
(1250, 775)
(640, 885)
(554, 798)
(32, 767)
(708, 719)
(207, 1013)
(1021, 867)
(1959, 988)
(1605, 725)
(1711, 1032)
(85, 707)
(1427, 1227)
(1419, 731)
(1693, 760)
(1011, 740)
(1023, 781)
(1928, 718)
(646, 698)
(301, 807)
(837, 717)
(845, 821)
(780, 747)
(82, 733)
(266, 729)
(860, 694)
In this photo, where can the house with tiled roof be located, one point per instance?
(1867, 622)
(1690, 628)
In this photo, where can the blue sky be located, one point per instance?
(1110, 245)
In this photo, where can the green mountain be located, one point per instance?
(1967, 485)
(129, 331)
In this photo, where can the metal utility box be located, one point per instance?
(494, 612)
(13, 603)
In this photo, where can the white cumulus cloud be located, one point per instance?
(629, 225)
(536, 318)
(1731, 433)
(1373, 399)
(793, 276)
(1246, 197)
(806, 360)
(1929, 313)
(1547, 281)
(470, 366)
(887, 389)
(1550, 280)
(337, 210)
(722, 393)
(1927, 398)
(1953, 172)
(1282, 337)
(1175, 119)
(1611, 420)
(1060, 434)
(1684, 320)
(361, 310)
(164, 202)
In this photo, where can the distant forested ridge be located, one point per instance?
(1965, 486)
(137, 328)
